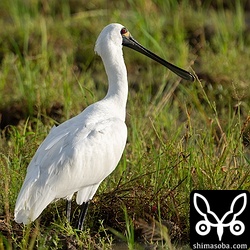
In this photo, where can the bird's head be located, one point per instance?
(109, 36)
(114, 35)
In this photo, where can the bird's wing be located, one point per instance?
(70, 159)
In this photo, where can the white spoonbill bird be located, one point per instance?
(80, 153)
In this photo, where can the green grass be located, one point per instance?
(181, 135)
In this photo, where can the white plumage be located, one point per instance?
(80, 153)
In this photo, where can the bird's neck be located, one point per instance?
(117, 78)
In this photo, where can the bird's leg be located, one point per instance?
(84, 209)
(68, 209)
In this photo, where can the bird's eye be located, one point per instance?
(123, 31)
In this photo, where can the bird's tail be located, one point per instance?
(30, 204)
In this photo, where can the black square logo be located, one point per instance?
(219, 219)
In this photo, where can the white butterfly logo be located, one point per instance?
(203, 227)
